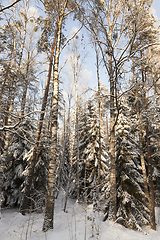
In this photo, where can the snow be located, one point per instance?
(70, 225)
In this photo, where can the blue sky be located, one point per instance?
(156, 5)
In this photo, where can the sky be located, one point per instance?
(156, 5)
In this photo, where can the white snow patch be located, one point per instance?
(70, 225)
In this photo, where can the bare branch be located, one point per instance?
(71, 38)
(128, 90)
(24, 138)
(9, 127)
(22, 117)
(1, 10)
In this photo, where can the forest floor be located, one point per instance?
(69, 226)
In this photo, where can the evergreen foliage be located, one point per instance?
(92, 171)
(15, 165)
(131, 202)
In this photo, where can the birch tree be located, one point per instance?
(61, 7)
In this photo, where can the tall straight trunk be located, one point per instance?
(99, 125)
(25, 200)
(149, 158)
(6, 76)
(25, 88)
(62, 160)
(75, 69)
(141, 139)
(11, 99)
(23, 43)
(77, 130)
(49, 210)
(143, 167)
(6, 120)
(9, 108)
(78, 162)
(107, 132)
(113, 202)
(150, 178)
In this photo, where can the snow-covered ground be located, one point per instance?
(69, 226)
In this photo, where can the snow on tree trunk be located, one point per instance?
(143, 169)
(150, 178)
(25, 87)
(1, 180)
(25, 200)
(113, 203)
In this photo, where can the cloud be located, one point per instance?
(32, 12)
(74, 30)
(86, 75)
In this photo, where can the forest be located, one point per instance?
(96, 141)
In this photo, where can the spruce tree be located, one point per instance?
(131, 201)
(15, 165)
(96, 172)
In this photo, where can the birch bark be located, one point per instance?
(49, 210)
(113, 202)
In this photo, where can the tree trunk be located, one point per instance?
(25, 200)
(9, 108)
(75, 73)
(99, 126)
(141, 137)
(49, 211)
(62, 161)
(113, 202)
(149, 158)
(150, 174)
(1, 180)
(25, 88)
(143, 168)
(6, 76)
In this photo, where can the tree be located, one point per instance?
(93, 169)
(131, 202)
(48, 219)
(15, 164)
